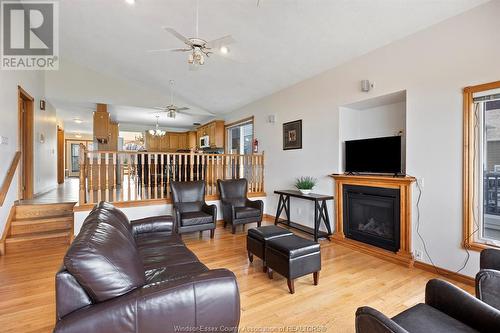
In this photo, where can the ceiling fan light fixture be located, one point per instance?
(171, 114)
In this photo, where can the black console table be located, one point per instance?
(320, 212)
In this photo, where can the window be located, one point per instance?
(239, 137)
(75, 157)
(482, 166)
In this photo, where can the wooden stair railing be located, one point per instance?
(135, 176)
(3, 194)
(8, 178)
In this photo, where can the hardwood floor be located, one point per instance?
(348, 280)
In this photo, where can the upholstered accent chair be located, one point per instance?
(237, 209)
(447, 308)
(488, 278)
(191, 212)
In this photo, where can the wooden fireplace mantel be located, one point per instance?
(404, 255)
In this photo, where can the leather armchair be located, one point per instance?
(138, 276)
(237, 209)
(191, 212)
(488, 278)
(447, 308)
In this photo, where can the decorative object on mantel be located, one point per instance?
(42, 104)
(305, 184)
(157, 131)
(292, 135)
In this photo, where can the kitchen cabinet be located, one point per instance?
(215, 132)
(192, 140)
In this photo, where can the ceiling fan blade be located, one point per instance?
(182, 109)
(217, 43)
(168, 50)
(178, 35)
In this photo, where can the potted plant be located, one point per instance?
(305, 184)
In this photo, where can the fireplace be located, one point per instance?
(372, 215)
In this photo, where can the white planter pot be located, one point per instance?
(305, 191)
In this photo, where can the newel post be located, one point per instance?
(83, 158)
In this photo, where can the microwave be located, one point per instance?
(205, 141)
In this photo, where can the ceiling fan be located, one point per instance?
(173, 109)
(197, 47)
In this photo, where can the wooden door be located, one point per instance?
(60, 155)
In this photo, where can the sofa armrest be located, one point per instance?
(177, 218)
(258, 204)
(462, 306)
(488, 287)
(369, 320)
(209, 300)
(489, 259)
(152, 224)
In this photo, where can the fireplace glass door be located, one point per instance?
(371, 215)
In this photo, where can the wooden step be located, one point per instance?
(48, 224)
(36, 241)
(43, 210)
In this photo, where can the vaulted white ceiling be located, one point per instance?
(279, 42)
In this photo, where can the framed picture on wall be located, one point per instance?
(292, 135)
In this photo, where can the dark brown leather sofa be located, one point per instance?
(138, 276)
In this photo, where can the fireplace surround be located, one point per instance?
(397, 189)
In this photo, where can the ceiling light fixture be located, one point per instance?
(78, 120)
(157, 131)
(224, 50)
(130, 2)
(78, 136)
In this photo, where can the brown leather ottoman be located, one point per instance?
(257, 238)
(293, 257)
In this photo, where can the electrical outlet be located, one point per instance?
(4, 140)
(418, 255)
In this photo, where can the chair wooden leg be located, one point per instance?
(316, 278)
(233, 229)
(264, 268)
(259, 224)
(270, 273)
(225, 224)
(212, 233)
(250, 256)
(291, 286)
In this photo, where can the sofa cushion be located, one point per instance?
(424, 318)
(174, 272)
(246, 212)
(104, 262)
(195, 218)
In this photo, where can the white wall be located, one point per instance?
(141, 212)
(33, 83)
(45, 154)
(432, 66)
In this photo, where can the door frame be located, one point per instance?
(60, 155)
(25, 143)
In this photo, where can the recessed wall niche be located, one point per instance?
(371, 118)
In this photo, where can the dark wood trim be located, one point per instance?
(468, 170)
(26, 143)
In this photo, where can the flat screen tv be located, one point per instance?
(377, 155)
